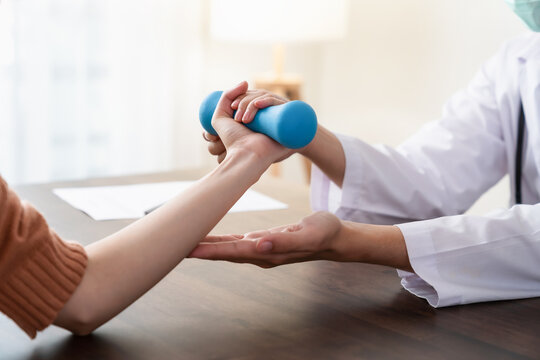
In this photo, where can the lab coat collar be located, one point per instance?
(530, 47)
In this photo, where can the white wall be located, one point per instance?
(401, 62)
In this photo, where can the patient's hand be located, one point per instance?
(237, 138)
(246, 106)
(316, 237)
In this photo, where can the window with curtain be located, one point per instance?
(98, 87)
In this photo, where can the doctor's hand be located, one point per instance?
(246, 106)
(320, 236)
(315, 237)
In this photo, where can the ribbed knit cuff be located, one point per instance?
(37, 290)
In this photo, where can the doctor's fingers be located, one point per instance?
(243, 251)
(260, 103)
(255, 235)
(225, 250)
(259, 234)
(289, 242)
(273, 260)
(234, 104)
(244, 102)
(222, 238)
(258, 92)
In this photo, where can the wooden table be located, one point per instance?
(317, 310)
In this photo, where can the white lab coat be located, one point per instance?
(438, 174)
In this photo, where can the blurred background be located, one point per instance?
(92, 88)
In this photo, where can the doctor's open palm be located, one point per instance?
(315, 237)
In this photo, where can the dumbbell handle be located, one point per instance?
(292, 124)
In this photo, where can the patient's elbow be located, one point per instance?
(80, 323)
(82, 329)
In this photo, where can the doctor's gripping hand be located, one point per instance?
(320, 236)
(245, 106)
(235, 137)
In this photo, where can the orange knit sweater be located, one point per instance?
(38, 271)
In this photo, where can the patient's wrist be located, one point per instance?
(245, 163)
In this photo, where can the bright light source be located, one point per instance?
(278, 21)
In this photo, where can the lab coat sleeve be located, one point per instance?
(438, 174)
(439, 171)
(465, 259)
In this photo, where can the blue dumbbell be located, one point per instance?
(292, 124)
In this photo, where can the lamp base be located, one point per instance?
(286, 85)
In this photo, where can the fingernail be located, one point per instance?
(266, 246)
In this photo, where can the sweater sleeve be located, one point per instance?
(38, 271)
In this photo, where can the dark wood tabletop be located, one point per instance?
(316, 310)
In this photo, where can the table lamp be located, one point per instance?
(278, 22)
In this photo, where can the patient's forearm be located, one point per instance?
(125, 265)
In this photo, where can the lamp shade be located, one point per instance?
(278, 21)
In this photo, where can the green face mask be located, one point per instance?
(528, 11)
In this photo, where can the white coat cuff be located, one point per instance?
(423, 282)
(352, 188)
(326, 195)
(320, 188)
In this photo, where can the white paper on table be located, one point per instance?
(131, 201)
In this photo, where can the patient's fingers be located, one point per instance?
(216, 148)
(209, 137)
(221, 157)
